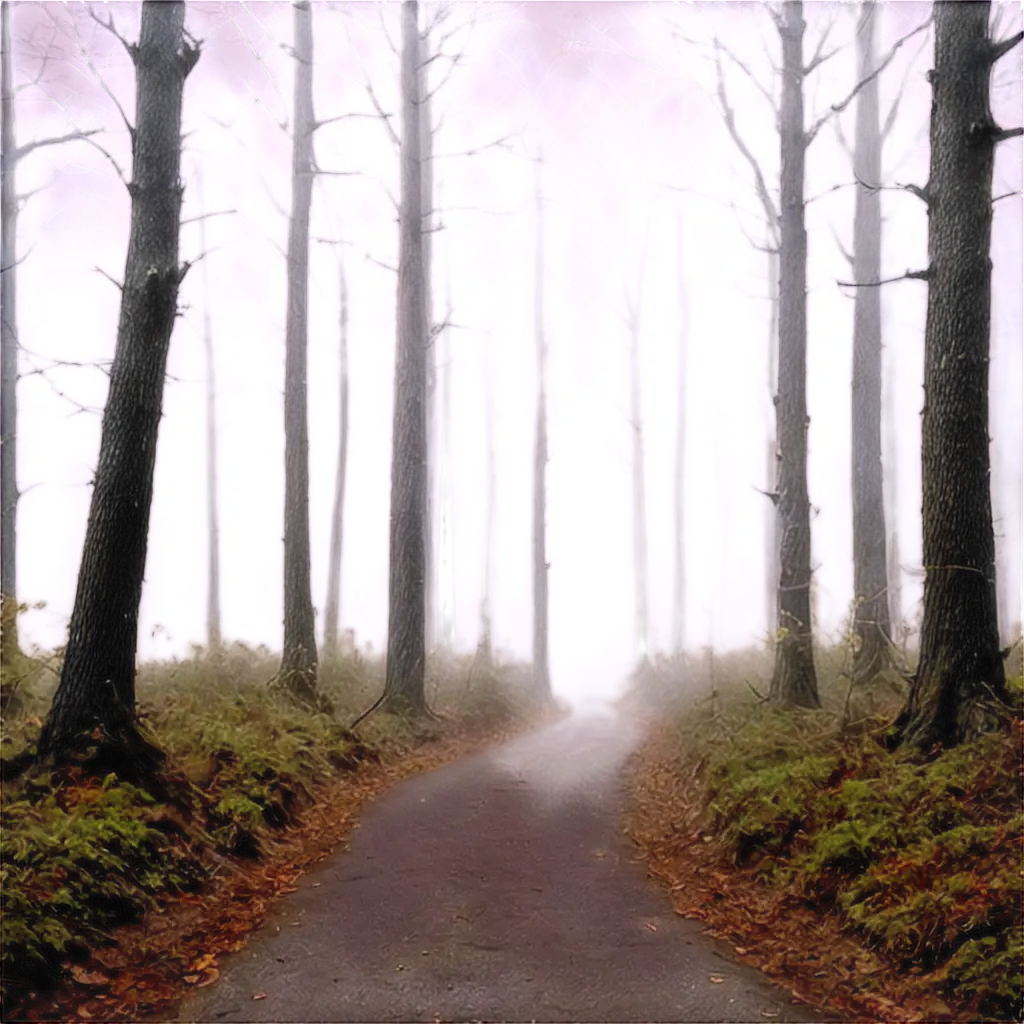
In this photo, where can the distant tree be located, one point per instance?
(95, 698)
(872, 573)
(641, 623)
(541, 670)
(485, 645)
(213, 631)
(959, 688)
(679, 469)
(406, 653)
(298, 673)
(11, 155)
(444, 583)
(332, 607)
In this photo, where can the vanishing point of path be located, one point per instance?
(500, 888)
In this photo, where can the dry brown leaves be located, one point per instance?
(149, 967)
(770, 928)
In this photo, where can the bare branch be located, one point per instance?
(206, 216)
(719, 45)
(22, 151)
(342, 117)
(890, 118)
(130, 48)
(113, 280)
(839, 245)
(1007, 195)
(385, 117)
(819, 56)
(1002, 134)
(117, 167)
(910, 275)
(838, 108)
(1003, 47)
(381, 263)
(502, 143)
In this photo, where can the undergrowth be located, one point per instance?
(81, 854)
(918, 856)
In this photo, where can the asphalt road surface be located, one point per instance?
(500, 888)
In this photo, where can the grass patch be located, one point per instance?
(81, 856)
(917, 857)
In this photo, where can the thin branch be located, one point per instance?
(381, 263)
(1002, 134)
(117, 167)
(1003, 47)
(206, 216)
(22, 151)
(502, 143)
(117, 284)
(719, 45)
(819, 56)
(130, 48)
(910, 275)
(1007, 195)
(839, 245)
(342, 117)
(890, 118)
(384, 116)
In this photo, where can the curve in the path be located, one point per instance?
(500, 888)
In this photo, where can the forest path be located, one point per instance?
(499, 888)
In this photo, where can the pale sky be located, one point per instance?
(631, 142)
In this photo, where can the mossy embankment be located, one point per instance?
(115, 894)
(883, 883)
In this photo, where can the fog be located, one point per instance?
(619, 99)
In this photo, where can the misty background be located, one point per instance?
(619, 99)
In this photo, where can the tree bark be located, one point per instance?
(772, 536)
(541, 669)
(890, 491)
(445, 582)
(331, 611)
(793, 682)
(871, 625)
(404, 677)
(213, 631)
(959, 689)
(641, 627)
(485, 646)
(430, 520)
(679, 468)
(8, 355)
(96, 693)
(298, 673)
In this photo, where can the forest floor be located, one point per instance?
(883, 886)
(117, 902)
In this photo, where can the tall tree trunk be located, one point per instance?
(890, 493)
(641, 626)
(97, 683)
(485, 646)
(793, 681)
(331, 611)
(772, 534)
(997, 429)
(404, 680)
(871, 625)
(213, 632)
(445, 552)
(298, 672)
(541, 670)
(8, 356)
(679, 469)
(430, 520)
(959, 688)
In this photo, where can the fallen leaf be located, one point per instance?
(260, 995)
(651, 926)
(742, 950)
(212, 974)
(91, 978)
(191, 979)
(716, 980)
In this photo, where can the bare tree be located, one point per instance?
(679, 470)
(404, 677)
(485, 645)
(641, 623)
(298, 673)
(10, 156)
(96, 694)
(213, 631)
(541, 670)
(444, 580)
(331, 611)
(959, 688)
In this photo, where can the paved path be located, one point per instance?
(500, 888)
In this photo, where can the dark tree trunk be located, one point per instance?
(871, 625)
(793, 681)
(679, 469)
(485, 645)
(641, 627)
(430, 519)
(8, 357)
(894, 572)
(541, 670)
(298, 674)
(772, 536)
(403, 686)
(331, 611)
(445, 607)
(959, 688)
(213, 632)
(97, 683)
